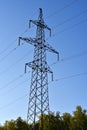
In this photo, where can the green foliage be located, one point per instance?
(20, 124)
(17, 124)
(11, 125)
(77, 121)
(66, 121)
(1, 127)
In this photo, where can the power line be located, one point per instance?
(53, 35)
(13, 102)
(27, 30)
(69, 77)
(10, 52)
(72, 76)
(8, 68)
(60, 10)
(56, 80)
(12, 81)
(74, 56)
(70, 57)
(14, 87)
(73, 26)
(67, 20)
(71, 18)
(11, 44)
(4, 50)
(63, 59)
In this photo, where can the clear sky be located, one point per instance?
(68, 20)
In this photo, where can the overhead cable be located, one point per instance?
(12, 81)
(12, 65)
(56, 80)
(60, 10)
(73, 26)
(69, 19)
(71, 76)
(13, 102)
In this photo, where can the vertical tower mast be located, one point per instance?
(39, 98)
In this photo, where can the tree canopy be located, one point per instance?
(53, 121)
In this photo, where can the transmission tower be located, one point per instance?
(39, 98)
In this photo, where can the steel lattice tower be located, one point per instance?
(39, 98)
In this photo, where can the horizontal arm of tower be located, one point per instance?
(51, 49)
(28, 40)
(34, 65)
(40, 24)
(31, 64)
(35, 42)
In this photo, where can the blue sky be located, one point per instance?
(68, 20)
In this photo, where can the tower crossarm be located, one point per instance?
(40, 24)
(51, 49)
(32, 41)
(33, 65)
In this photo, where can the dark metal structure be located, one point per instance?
(39, 98)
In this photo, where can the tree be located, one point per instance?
(11, 125)
(79, 120)
(51, 121)
(66, 121)
(21, 125)
(1, 127)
